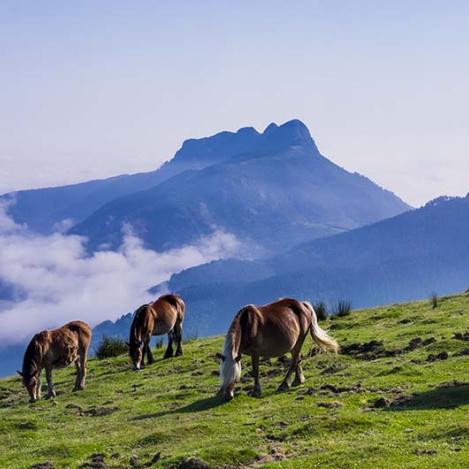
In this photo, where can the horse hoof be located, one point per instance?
(298, 383)
(255, 393)
(283, 387)
(178, 354)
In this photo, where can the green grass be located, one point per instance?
(170, 406)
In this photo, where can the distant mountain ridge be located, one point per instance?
(407, 256)
(271, 189)
(412, 255)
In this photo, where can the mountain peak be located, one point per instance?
(291, 133)
(224, 145)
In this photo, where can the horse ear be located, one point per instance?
(220, 356)
(19, 372)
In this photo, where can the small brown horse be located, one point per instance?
(55, 349)
(269, 331)
(164, 316)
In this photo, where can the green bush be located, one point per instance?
(321, 310)
(342, 308)
(111, 347)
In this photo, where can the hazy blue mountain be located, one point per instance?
(43, 209)
(398, 259)
(272, 190)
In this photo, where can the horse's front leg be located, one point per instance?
(147, 349)
(142, 357)
(78, 377)
(256, 392)
(39, 386)
(50, 385)
(178, 333)
(169, 351)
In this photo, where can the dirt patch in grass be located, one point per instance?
(462, 336)
(98, 411)
(369, 350)
(42, 465)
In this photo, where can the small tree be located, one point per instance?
(111, 347)
(434, 300)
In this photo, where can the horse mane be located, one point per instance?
(134, 328)
(31, 358)
(230, 370)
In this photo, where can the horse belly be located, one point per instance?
(64, 357)
(271, 348)
(162, 327)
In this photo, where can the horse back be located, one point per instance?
(176, 302)
(82, 331)
(273, 329)
(286, 311)
(168, 309)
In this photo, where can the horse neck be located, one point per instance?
(233, 339)
(136, 331)
(32, 359)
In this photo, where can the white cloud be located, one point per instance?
(62, 283)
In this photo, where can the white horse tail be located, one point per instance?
(320, 336)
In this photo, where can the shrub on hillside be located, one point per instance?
(342, 308)
(434, 300)
(321, 310)
(111, 347)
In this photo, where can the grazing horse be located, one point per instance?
(269, 331)
(164, 316)
(55, 349)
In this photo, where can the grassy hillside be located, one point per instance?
(402, 403)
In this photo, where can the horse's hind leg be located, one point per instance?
(256, 392)
(178, 334)
(285, 386)
(169, 350)
(50, 384)
(299, 377)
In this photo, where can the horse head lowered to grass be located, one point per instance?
(55, 349)
(269, 331)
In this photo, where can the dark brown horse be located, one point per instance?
(164, 316)
(55, 349)
(269, 331)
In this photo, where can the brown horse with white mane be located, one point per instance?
(164, 316)
(269, 331)
(56, 349)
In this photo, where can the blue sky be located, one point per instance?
(91, 89)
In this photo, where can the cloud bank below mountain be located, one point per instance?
(55, 281)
